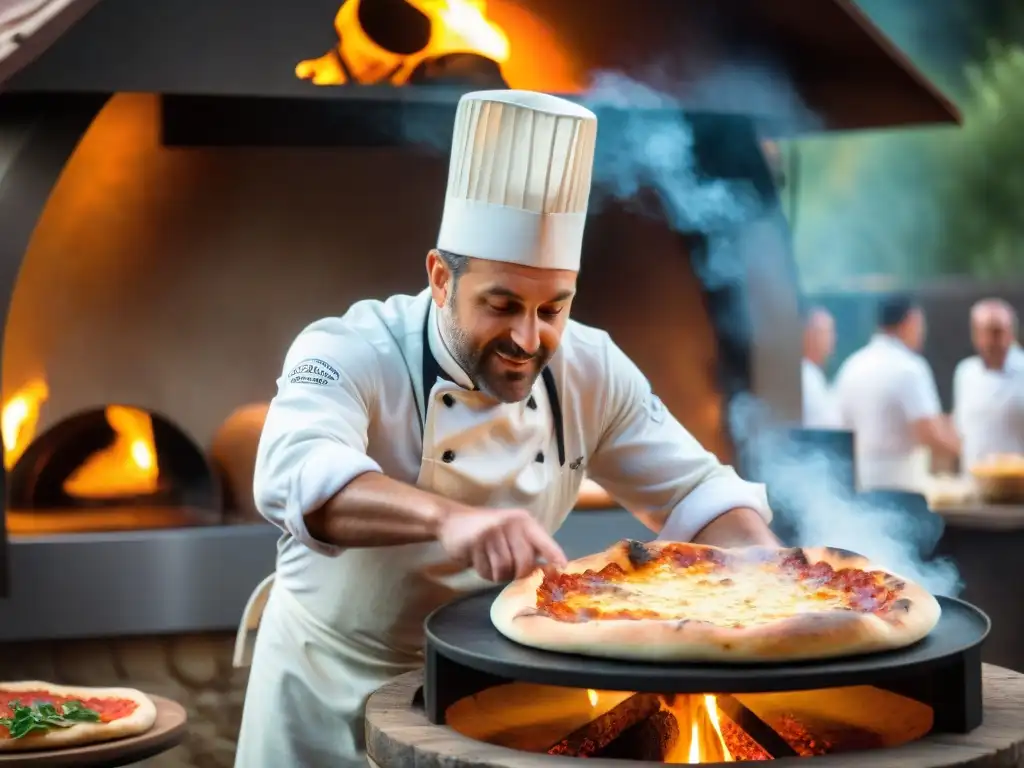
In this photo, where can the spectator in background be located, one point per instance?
(988, 388)
(886, 394)
(820, 409)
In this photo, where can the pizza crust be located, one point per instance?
(809, 636)
(80, 734)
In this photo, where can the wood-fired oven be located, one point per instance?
(185, 184)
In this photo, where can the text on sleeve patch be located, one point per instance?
(313, 370)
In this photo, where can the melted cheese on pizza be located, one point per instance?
(745, 595)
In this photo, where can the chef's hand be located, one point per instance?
(500, 544)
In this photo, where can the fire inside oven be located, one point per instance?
(689, 728)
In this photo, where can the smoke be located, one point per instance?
(649, 146)
(808, 490)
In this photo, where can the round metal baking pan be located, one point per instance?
(462, 632)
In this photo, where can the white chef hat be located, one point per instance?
(519, 179)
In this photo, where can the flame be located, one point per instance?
(19, 418)
(456, 26)
(127, 467)
(705, 742)
(592, 697)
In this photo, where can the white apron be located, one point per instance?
(311, 677)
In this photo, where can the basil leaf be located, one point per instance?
(45, 715)
(79, 713)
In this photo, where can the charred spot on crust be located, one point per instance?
(796, 557)
(681, 623)
(893, 582)
(844, 553)
(903, 604)
(638, 553)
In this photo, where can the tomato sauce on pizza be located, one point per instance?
(679, 601)
(106, 709)
(36, 715)
(681, 581)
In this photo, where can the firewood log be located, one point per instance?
(587, 740)
(651, 739)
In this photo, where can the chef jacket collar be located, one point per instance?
(438, 363)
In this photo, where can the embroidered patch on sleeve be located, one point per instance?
(313, 370)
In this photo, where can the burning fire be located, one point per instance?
(456, 26)
(19, 419)
(127, 467)
(705, 742)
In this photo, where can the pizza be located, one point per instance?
(675, 601)
(36, 715)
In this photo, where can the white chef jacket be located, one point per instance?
(377, 391)
(820, 408)
(881, 390)
(988, 407)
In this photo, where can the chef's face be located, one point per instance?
(505, 321)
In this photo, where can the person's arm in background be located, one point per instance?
(919, 399)
(649, 462)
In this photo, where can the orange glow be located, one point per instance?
(19, 419)
(525, 50)
(127, 467)
(700, 729)
(705, 742)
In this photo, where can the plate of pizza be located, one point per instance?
(682, 602)
(43, 716)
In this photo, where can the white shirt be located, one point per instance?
(988, 407)
(881, 390)
(820, 408)
(350, 401)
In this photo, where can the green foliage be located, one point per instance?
(919, 203)
(981, 188)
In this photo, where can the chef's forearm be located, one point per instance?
(740, 527)
(376, 511)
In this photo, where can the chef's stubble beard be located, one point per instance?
(460, 346)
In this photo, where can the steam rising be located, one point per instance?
(807, 492)
(649, 147)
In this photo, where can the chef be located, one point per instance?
(988, 388)
(820, 409)
(886, 394)
(428, 445)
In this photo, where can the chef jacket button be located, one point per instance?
(448, 457)
(531, 403)
(540, 457)
(448, 400)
